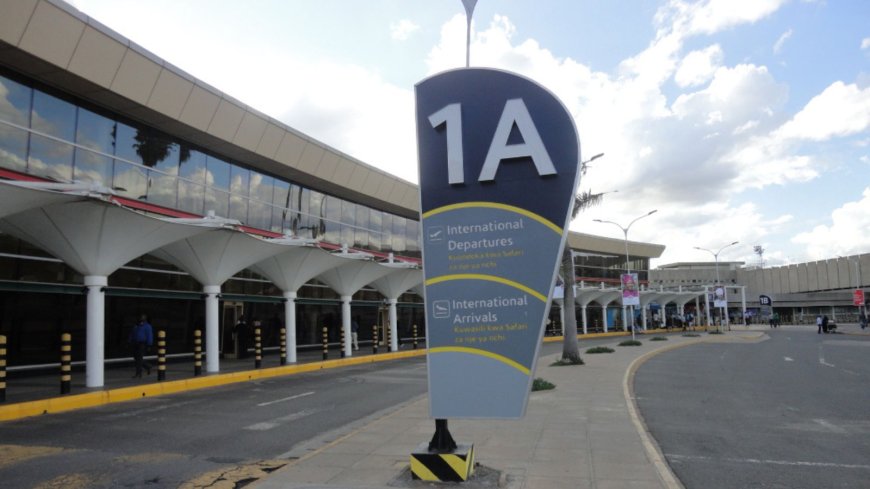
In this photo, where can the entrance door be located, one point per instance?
(232, 311)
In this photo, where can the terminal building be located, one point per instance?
(129, 187)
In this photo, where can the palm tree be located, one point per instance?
(570, 346)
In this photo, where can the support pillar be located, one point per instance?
(643, 310)
(743, 303)
(345, 324)
(583, 314)
(707, 305)
(604, 317)
(212, 334)
(394, 336)
(96, 336)
(290, 325)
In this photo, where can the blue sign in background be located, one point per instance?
(490, 248)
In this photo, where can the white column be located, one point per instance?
(212, 334)
(625, 318)
(394, 321)
(95, 335)
(743, 302)
(707, 304)
(583, 313)
(345, 324)
(604, 316)
(643, 310)
(290, 325)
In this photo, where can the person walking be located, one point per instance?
(354, 334)
(819, 323)
(242, 334)
(825, 323)
(141, 338)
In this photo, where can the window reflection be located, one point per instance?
(191, 196)
(217, 201)
(14, 108)
(361, 220)
(191, 164)
(376, 225)
(239, 182)
(97, 133)
(49, 157)
(218, 175)
(162, 189)
(399, 234)
(130, 180)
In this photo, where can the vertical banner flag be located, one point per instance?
(630, 292)
(720, 298)
(858, 297)
(498, 158)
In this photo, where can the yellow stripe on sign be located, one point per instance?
(483, 353)
(489, 278)
(495, 205)
(422, 471)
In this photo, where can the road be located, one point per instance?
(169, 441)
(789, 412)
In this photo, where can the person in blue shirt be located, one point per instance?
(141, 337)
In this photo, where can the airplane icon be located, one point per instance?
(435, 233)
(441, 309)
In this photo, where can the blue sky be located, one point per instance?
(743, 120)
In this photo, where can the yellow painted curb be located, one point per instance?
(92, 399)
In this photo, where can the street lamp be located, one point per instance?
(627, 262)
(718, 283)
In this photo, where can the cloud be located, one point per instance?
(712, 16)
(841, 110)
(777, 47)
(846, 235)
(865, 43)
(699, 66)
(402, 30)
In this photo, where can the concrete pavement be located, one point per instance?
(586, 433)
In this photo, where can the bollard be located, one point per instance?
(325, 343)
(375, 339)
(389, 339)
(415, 336)
(161, 356)
(2, 368)
(341, 349)
(283, 346)
(65, 360)
(197, 353)
(258, 350)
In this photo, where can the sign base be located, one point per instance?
(455, 466)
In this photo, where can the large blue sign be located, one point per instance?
(498, 161)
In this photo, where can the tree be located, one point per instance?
(570, 346)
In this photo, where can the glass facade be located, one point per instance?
(595, 268)
(56, 138)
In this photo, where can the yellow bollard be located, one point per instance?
(283, 346)
(197, 353)
(65, 363)
(161, 356)
(325, 343)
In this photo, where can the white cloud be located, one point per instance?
(841, 110)
(711, 16)
(777, 47)
(699, 66)
(846, 235)
(865, 43)
(403, 29)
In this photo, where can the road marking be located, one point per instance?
(822, 358)
(297, 396)
(268, 425)
(793, 463)
(788, 359)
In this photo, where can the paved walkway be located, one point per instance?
(584, 434)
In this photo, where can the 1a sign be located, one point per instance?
(498, 159)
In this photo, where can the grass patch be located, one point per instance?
(600, 349)
(630, 343)
(691, 335)
(567, 362)
(658, 338)
(540, 384)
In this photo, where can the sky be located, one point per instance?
(736, 120)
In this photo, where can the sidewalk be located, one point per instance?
(585, 433)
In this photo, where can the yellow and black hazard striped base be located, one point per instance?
(456, 466)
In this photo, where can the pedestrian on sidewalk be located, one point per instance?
(141, 338)
(819, 323)
(354, 334)
(863, 320)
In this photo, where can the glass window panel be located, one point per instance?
(162, 189)
(13, 148)
(240, 180)
(238, 208)
(95, 132)
(218, 175)
(217, 201)
(259, 214)
(130, 180)
(14, 108)
(280, 215)
(125, 148)
(49, 158)
(330, 218)
(53, 116)
(191, 164)
(361, 234)
(261, 187)
(191, 197)
(412, 235)
(375, 224)
(399, 226)
(316, 213)
(348, 218)
(92, 167)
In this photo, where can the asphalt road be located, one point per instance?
(168, 441)
(790, 412)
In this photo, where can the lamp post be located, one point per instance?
(627, 262)
(718, 283)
